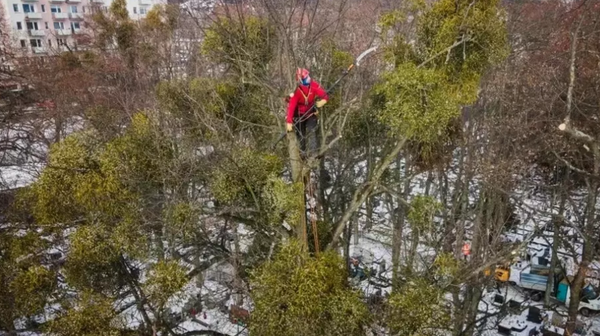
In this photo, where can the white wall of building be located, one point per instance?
(44, 26)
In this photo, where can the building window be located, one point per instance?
(143, 10)
(46, 25)
(59, 25)
(75, 25)
(16, 8)
(36, 43)
(55, 9)
(60, 42)
(49, 43)
(27, 8)
(43, 8)
(19, 26)
(23, 44)
(134, 10)
(32, 25)
(73, 9)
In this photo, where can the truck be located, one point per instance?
(534, 283)
(534, 278)
(511, 273)
(590, 300)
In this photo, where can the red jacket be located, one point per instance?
(304, 98)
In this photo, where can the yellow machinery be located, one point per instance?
(502, 272)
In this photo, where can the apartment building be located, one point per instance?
(45, 27)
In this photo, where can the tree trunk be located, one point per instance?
(487, 205)
(414, 232)
(356, 229)
(347, 236)
(445, 241)
(369, 203)
(237, 281)
(321, 199)
(464, 195)
(450, 217)
(428, 183)
(588, 250)
(297, 177)
(588, 231)
(58, 126)
(459, 220)
(414, 244)
(322, 186)
(556, 224)
(460, 224)
(474, 299)
(459, 314)
(397, 223)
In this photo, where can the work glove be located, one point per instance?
(321, 103)
(289, 127)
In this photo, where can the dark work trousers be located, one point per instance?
(308, 130)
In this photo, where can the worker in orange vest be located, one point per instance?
(466, 250)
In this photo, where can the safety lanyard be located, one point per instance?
(305, 95)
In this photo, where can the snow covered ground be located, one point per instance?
(13, 177)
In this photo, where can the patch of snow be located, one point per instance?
(13, 177)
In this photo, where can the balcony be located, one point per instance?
(73, 1)
(33, 16)
(63, 32)
(34, 32)
(38, 50)
(60, 16)
(145, 2)
(30, 0)
(76, 16)
(57, 1)
(97, 1)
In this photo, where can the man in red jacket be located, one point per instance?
(301, 101)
